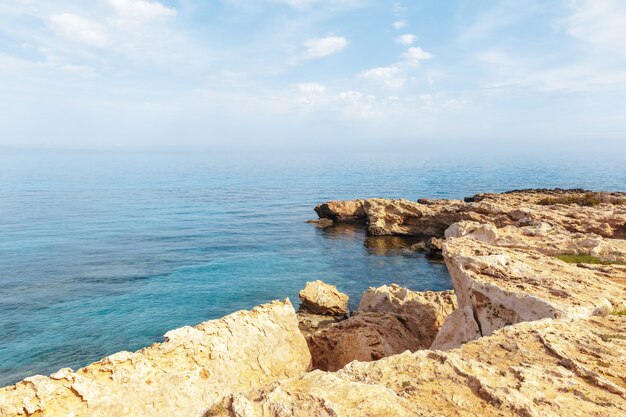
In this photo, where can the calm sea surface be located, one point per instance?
(106, 252)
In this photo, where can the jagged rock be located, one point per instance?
(543, 368)
(424, 312)
(309, 322)
(321, 298)
(542, 237)
(364, 337)
(350, 211)
(459, 327)
(607, 217)
(182, 376)
(503, 286)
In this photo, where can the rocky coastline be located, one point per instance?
(535, 326)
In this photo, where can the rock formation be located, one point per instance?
(541, 368)
(321, 298)
(423, 312)
(194, 367)
(577, 211)
(364, 337)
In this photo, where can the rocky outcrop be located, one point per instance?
(423, 312)
(194, 367)
(321, 298)
(572, 210)
(350, 211)
(503, 285)
(364, 337)
(541, 368)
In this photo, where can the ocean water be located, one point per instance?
(101, 252)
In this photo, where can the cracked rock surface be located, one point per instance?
(194, 367)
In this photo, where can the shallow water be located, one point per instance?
(106, 252)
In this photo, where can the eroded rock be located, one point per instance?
(194, 367)
(321, 298)
(424, 312)
(364, 337)
(542, 368)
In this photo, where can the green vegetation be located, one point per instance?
(584, 258)
(587, 200)
(621, 312)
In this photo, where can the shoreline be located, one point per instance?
(502, 251)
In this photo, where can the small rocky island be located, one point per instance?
(535, 326)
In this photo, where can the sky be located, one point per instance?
(313, 74)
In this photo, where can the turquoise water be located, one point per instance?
(106, 252)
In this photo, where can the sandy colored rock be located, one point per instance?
(542, 237)
(503, 286)
(424, 312)
(180, 377)
(364, 337)
(430, 218)
(543, 368)
(321, 298)
(309, 323)
(459, 327)
(349, 211)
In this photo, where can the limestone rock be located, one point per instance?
(424, 312)
(194, 367)
(364, 337)
(309, 322)
(558, 208)
(458, 328)
(321, 298)
(542, 368)
(350, 211)
(503, 286)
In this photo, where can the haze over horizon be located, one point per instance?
(307, 74)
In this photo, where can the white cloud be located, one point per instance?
(78, 29)
(322, 47)
(312, 88)
(600, 24)
(416, 54)
(399, 24)
(140, 10)
(390, 76)
(395, 76)
(305, 4)
(406, 39)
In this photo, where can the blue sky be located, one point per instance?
(312, 74)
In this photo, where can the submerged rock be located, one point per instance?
(321, 298)
(194, 367)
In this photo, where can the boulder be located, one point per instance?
(350, 211)
(321, 298)
(194, 367)
(423, 312)
(364, 337)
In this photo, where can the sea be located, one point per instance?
(107, 251)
